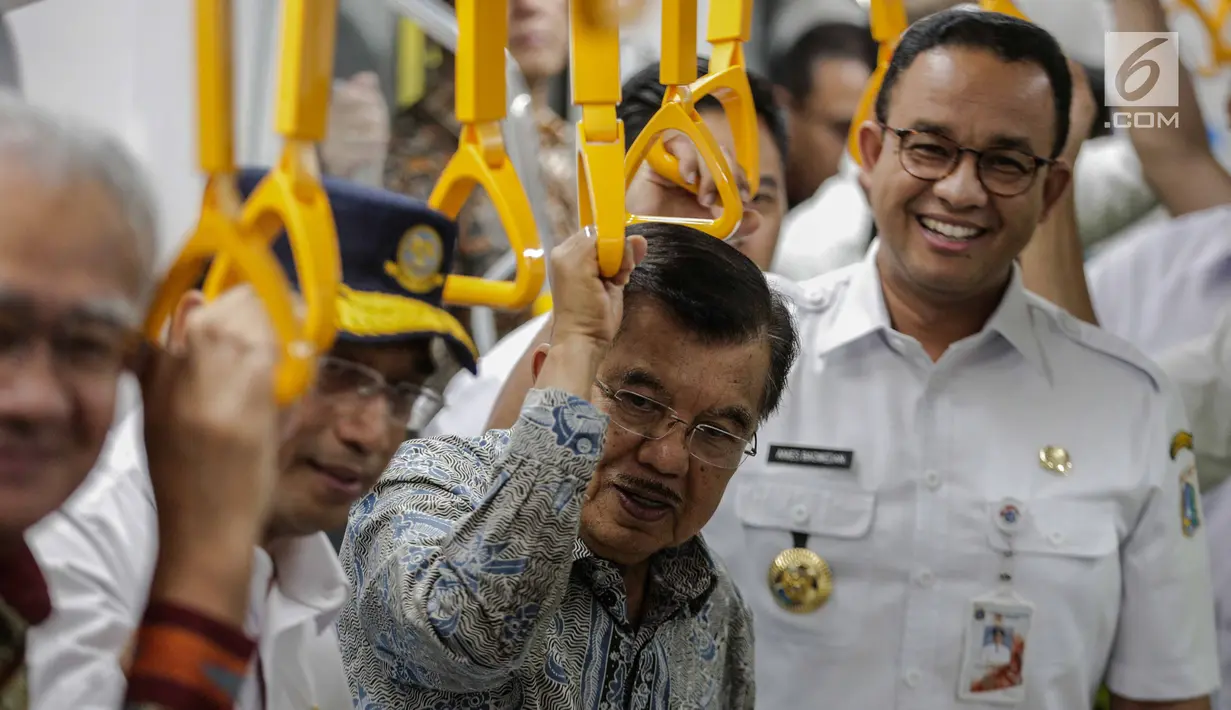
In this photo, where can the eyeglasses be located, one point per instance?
(1002, 171)
(84, 347)
(410, 406)
(647, 418)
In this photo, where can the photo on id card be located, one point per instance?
(997, 630)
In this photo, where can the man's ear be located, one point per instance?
(176, 334)
(537, 360)
(782, 97)
(871, 142)
(1059, 177)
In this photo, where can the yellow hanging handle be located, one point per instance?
(594, 64)
(678, 74)
(238, 236)
(481, 160)
(1004, 7)
(1213, 21)
(610, 13)
(888, 23)
(730, 27)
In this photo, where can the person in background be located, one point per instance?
(651, 194)
(99, 551)
(77, 249)
(819, 81)
(557, 564)
(424, 136)
(959, 447)
(1167, 283)
(1166, 287)
(472, 407)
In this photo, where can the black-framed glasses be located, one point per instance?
(1005, 172)
(651, 419)
(408, 405)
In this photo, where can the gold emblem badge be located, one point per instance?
(800, 580)
(1182, 440)
(420, 254)
(1055, 459)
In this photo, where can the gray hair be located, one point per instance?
(60, 149)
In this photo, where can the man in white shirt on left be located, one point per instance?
(99, 551)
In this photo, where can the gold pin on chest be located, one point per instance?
(800, 580)
(1056, 460)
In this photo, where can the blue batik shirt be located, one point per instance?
(472, 589)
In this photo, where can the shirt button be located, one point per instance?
(932, 479)
(925, 579)
(1056, 538)
(913, 677)
(800, 513)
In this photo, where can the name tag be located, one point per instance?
(801, 456)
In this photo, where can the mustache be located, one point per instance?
(652, 489)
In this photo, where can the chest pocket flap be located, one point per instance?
(808, 509)
(1071, 528)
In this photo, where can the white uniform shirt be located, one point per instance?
(98, 553)
(909, 529)
(1164, 284)
(829, 230)
(1201, 370)
(1218, 516)
(469, 399)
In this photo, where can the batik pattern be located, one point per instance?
(472, 589)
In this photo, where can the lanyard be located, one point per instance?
(1009, 519)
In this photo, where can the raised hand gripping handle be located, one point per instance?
(237, 237)
(481, 160)
(673, 117)
(1213, 20)
(730, 26)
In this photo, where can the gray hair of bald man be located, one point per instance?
(59, 150)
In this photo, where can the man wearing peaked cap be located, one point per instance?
(396, 252)
(369, 396)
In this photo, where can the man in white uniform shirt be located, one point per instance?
(953, 447)
(99, 551)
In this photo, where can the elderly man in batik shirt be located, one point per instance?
(558, 564)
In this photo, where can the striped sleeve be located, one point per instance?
(185, 661)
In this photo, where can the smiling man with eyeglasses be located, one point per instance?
(954, 449)
(371, 393)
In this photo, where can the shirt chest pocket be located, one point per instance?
(1065, 555)
(836, 522)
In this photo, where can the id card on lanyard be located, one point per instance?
(997, 628)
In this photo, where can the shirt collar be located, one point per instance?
(687, 572)
(862, 311)
(307, 573)
(22, 585)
